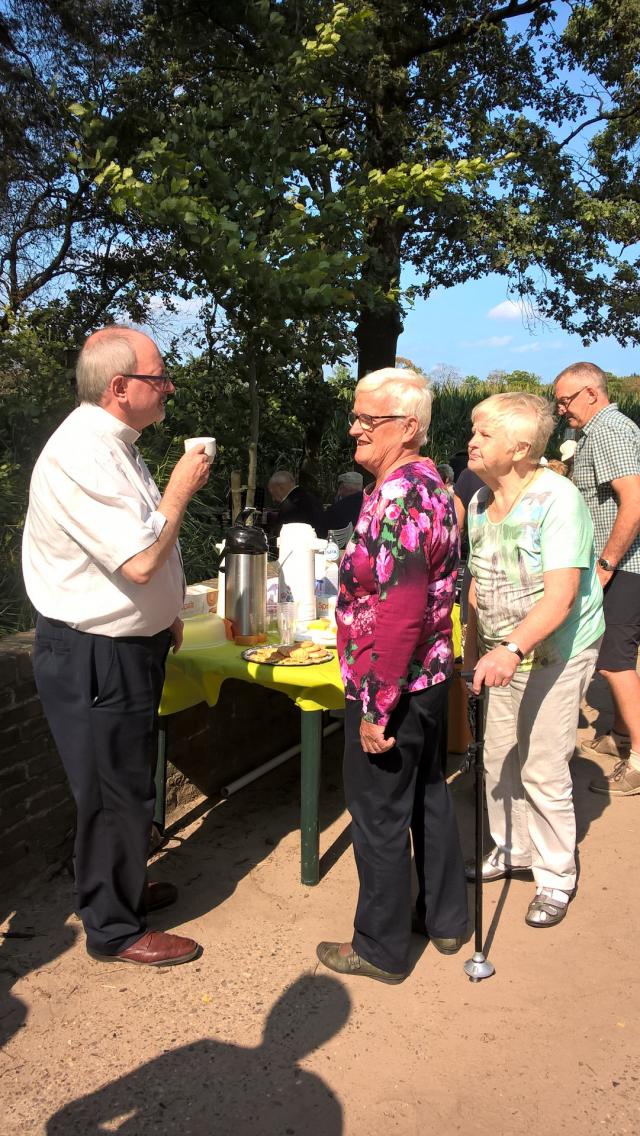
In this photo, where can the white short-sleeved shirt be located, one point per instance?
(92, 506)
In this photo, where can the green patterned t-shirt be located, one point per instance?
(549, 527)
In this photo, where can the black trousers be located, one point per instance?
(388, 795)
(100, 697)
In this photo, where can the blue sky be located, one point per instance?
(476, 328)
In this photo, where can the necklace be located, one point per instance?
(525, 485)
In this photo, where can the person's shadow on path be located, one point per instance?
(206, 863)
(211, 1087)
(32, 939)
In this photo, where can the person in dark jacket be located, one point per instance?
(346, 508)
(295, 505)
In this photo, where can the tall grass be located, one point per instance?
(203, 526)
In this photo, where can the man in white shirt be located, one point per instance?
(102, 567)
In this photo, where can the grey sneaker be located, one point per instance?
(605, 745)
(623, 782)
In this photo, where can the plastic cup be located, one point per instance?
(273, 634)
(208, 443)
(287, 613)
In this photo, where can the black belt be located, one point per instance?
(55, 622)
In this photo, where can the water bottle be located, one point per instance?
(331, 567)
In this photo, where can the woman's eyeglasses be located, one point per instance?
(368, 421)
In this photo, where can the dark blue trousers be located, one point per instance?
(100, 696)
(389, 795)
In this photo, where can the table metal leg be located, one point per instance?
(161, 775)
(310, 760)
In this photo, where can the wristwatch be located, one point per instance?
(514, 648)
(606, 564)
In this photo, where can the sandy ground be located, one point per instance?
(255, 1038)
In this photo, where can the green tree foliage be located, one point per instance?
(35, 394)
(65, 258)
(337, 142)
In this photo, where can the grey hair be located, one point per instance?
(282, 477)
(523, 417)
(105, 354)
(588, 371)
(446, 472)
(408, 392)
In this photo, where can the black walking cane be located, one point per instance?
(477, 967)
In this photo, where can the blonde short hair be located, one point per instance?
(523, 417)
(105, 354)
(408, 392)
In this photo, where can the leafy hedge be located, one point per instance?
(36, 393)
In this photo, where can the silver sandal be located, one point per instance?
(545, 911)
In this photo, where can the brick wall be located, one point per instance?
(36, 810)
(206, 748)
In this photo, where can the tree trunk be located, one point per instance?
(379, 327)
(254, 430)
(377, 338)
(236, 495)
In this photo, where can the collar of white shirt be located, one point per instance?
(107, 423)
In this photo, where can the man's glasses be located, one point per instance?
(368, 421)
(164, 380)
(565, 403)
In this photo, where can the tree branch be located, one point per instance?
(420, 46)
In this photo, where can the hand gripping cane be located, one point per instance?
(477, 967)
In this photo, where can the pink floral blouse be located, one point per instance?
(397, 581)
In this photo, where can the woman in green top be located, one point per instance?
(535, 622)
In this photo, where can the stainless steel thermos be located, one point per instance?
(245, 573)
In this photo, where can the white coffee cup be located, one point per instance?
(208, 443)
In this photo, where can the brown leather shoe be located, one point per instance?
(158, 894)
(155, 948)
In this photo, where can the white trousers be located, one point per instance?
(530, 737)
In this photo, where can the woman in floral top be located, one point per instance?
(397, 583)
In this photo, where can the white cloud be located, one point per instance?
(492, 341)
(513, 310)
(525, 349)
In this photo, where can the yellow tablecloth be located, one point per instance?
(196, 674)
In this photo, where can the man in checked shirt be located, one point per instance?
(607, 472)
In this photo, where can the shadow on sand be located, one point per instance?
(207, 864)
(213, 1087)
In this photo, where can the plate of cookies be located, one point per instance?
(305, 654)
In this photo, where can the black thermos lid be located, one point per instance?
(247, 539)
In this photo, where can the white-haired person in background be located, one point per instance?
(345, 510)
(447, 475)
(397, 581)
(534, 629)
